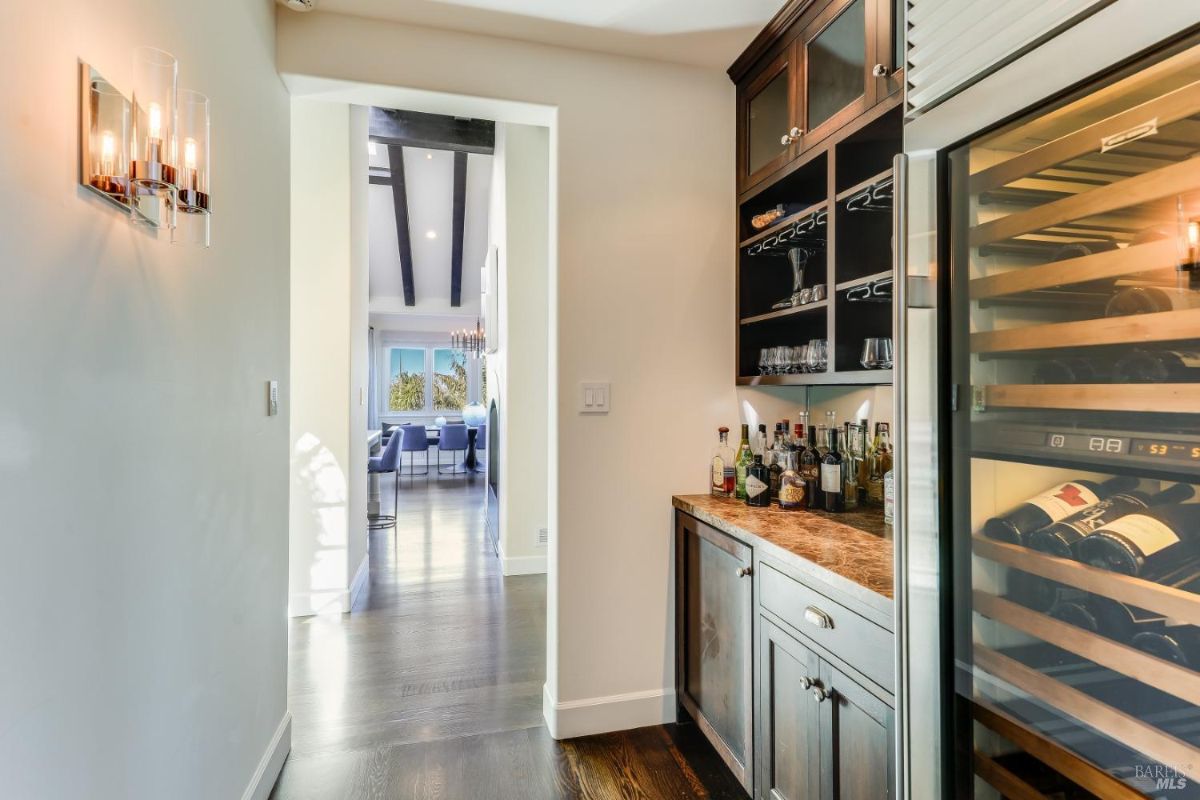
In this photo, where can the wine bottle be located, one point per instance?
(1179, 644)
(1158, 366)
(1150, 300)
(1148, 544)
(722, 473)
(742, 462)
(850, 459)
(1070, 370)
(1060, 538)
(758, 484)
(1038, 593)
(791, 484)
(1121, 622)
(1075, 613)
(831, 476)
(810, 471)
(775, 462)
(1050, 506)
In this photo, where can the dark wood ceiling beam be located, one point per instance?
(433, 131)
(403, 236)
(459, 224)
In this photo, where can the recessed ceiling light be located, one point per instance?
(429, 156)
(430, 234)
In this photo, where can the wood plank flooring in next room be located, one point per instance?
(432, 687)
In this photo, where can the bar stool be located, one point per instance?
(414, 439)
(454, 439)
(388, 461)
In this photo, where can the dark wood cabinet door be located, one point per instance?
(714, 608)
(858, 740)
(888, 59)
(836, 51)
(766, 114)
(789, 717)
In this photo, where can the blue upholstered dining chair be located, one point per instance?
(454, 439)
(415, 440)
(481, 445)
(385, 462)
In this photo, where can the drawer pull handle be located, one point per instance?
(744, 571)
(816, 616)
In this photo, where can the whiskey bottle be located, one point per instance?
(831, 476)
(810, 471)
(792, 494)
(878, 464)
(758, 486)
(722, 473)
(742, 462)
(1158, 366)
(1060, 538)
(1050, 506)
(1148, 544)
(1150, 300)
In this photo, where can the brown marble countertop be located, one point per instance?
(851, 551)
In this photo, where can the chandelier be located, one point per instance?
(471, 342)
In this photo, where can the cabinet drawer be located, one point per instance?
(863, 645)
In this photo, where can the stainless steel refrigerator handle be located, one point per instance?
(900, 450)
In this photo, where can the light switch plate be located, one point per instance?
(272, 398)
(594, 397)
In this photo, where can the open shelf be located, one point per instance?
(865, 377)
(1149, 398)
(864, 280)
(858, 187)
(785, 312)
(782, 224)
(1165, 326)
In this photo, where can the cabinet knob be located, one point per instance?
(880, 71)
(744, 571)
(821, 694)
(806, 683)
(791, 136)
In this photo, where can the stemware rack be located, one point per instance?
(844, 190)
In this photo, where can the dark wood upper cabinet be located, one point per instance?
(767, 114)
(838, 85)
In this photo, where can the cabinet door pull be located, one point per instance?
(821, 694)
(816, 616)
(744, 571)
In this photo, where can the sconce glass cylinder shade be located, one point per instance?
(155, 85)
(106, 155)
(192, 170)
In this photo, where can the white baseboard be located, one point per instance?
(616, 712)
(523, 565)
(267, 772)
(306, 604)
(361, 576)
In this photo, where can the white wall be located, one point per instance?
(519, 369)
(329, 356)
(642, 205)
(143, 486)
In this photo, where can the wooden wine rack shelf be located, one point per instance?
(1165, 326)
(1165, 600)
(1179, 178)
(1150, 257)
(1168, 108)
(1162, 398)
(1162, 675)
(1003, 780)
(1117, 724)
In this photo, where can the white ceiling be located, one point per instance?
(429, 178)
(708, 33)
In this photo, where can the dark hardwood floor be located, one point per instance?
(432, 687)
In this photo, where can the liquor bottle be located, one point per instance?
(1148, 544)
(1060, 538)
(1158, 366)
(864, 461)
(1050, 506)
(850, 460)
(742, 462)
(878, 464)
(722, 472)
(889, 497)
(1150, 300)
(792, 491)
(775, 462)
(1179, 644)
(831, 476)
(798, 443)
(760, 443)
(758, 486)
(810, 471)
(821, 440)
(1071, 370)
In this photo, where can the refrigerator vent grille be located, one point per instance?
(954, 43)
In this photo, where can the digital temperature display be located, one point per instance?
(1165, 449)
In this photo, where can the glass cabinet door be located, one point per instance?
(767, 117)
(1075, 516)
(836, 50)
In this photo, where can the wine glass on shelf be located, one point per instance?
(877, 353)
(764, 356)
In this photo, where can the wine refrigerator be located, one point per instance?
(1048, 371)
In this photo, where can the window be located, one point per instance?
(406, 388)
(426, 380)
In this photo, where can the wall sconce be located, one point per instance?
(149, 155)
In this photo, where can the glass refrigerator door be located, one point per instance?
(1075, 353)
